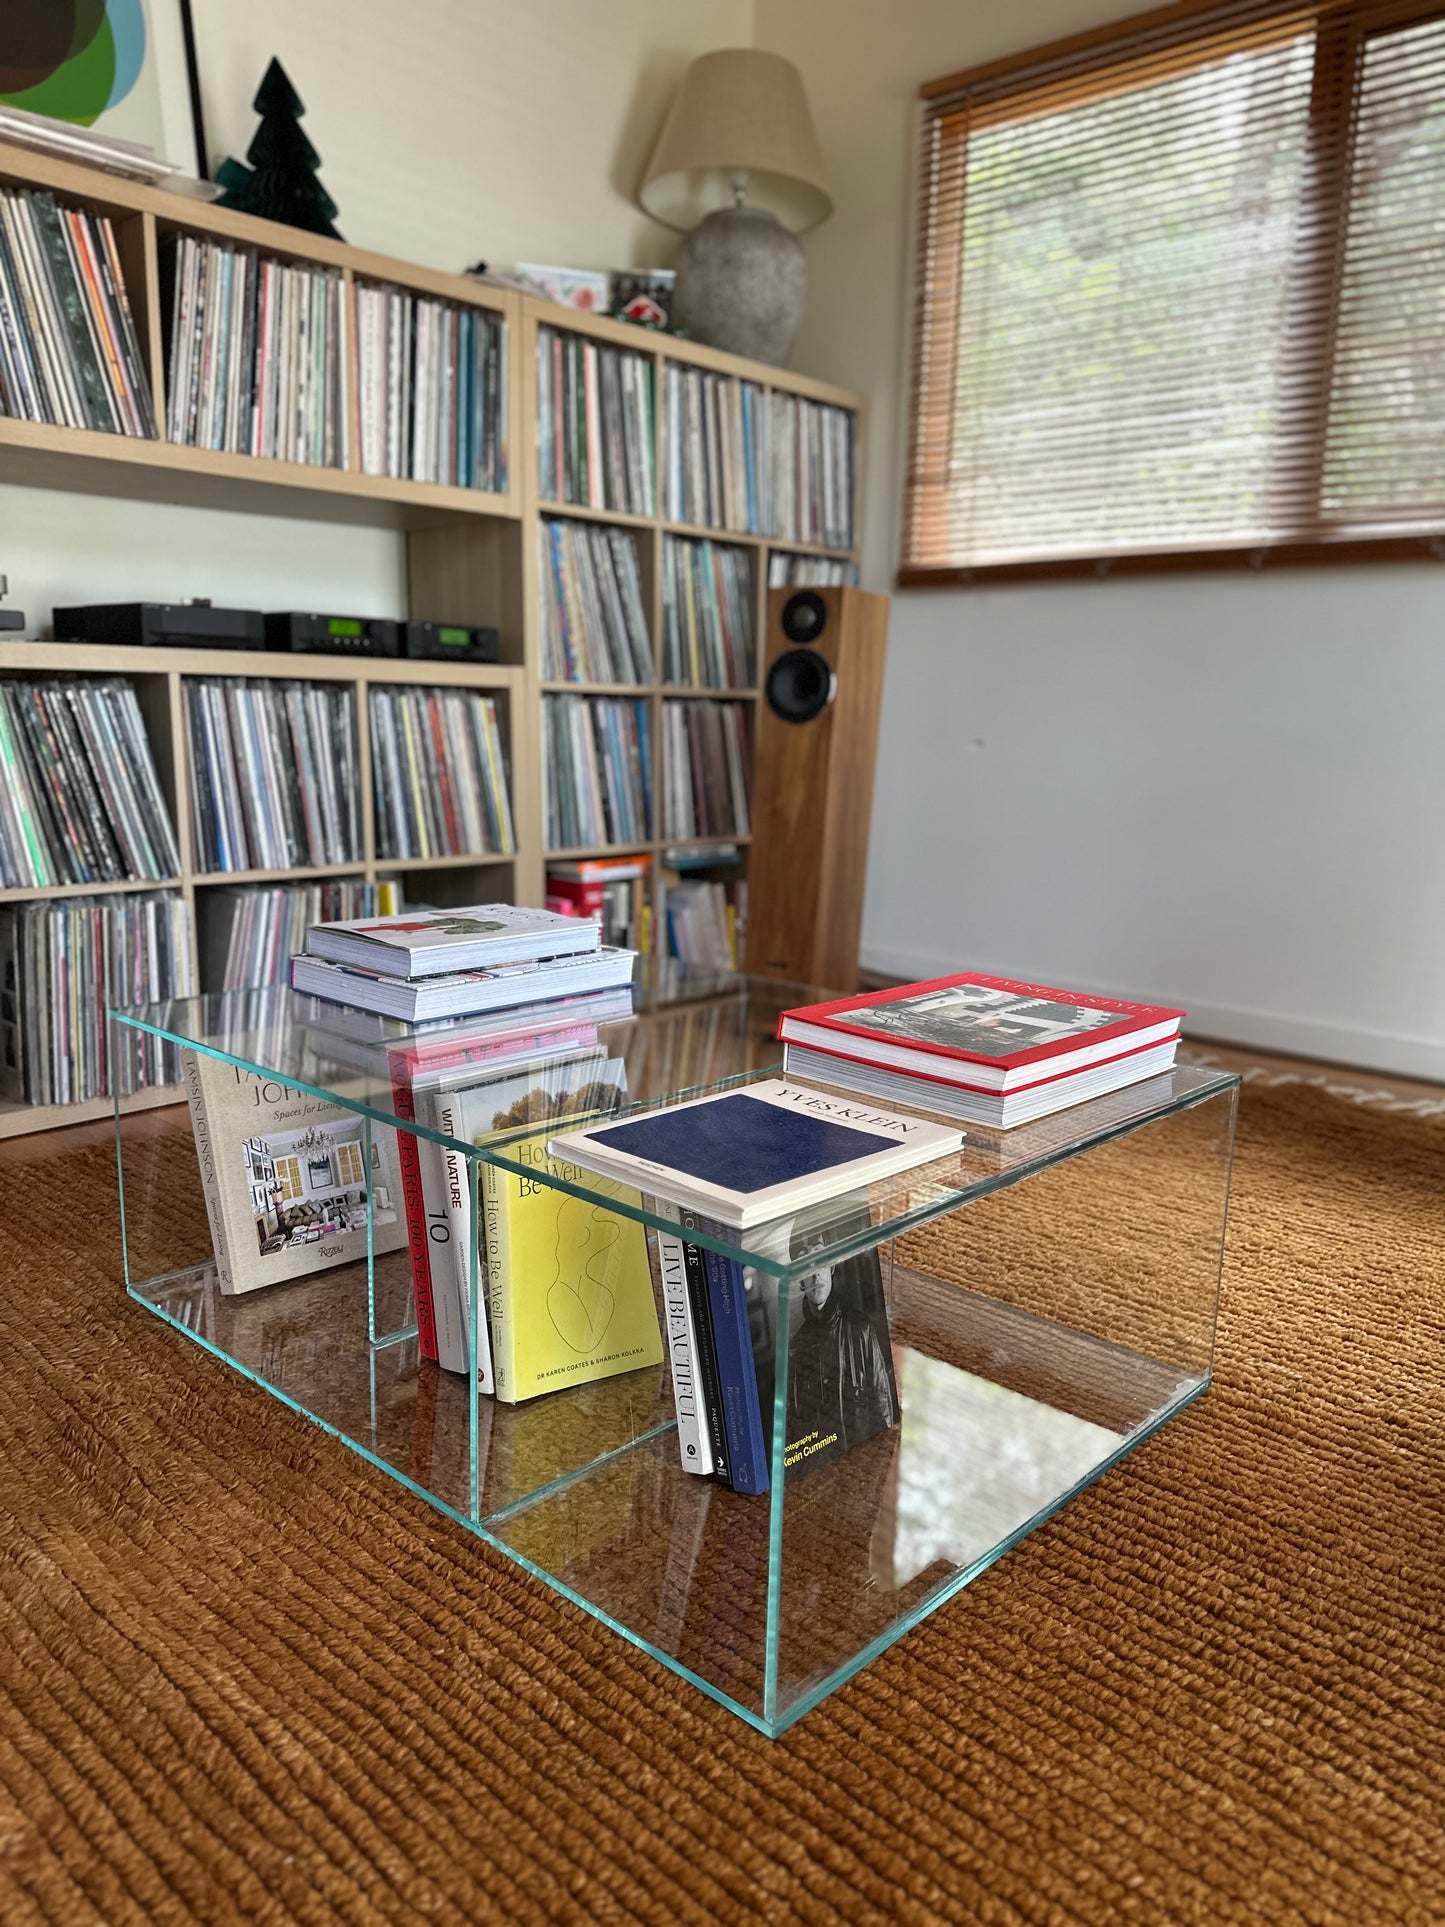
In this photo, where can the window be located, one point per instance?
(288, 1179)
(1181, 297)
(350, 1170)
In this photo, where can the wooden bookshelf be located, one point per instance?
(472, 555)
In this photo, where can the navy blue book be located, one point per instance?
(747, 1446)
(748, 1156)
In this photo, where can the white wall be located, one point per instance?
(1228, 791)
(449, 131)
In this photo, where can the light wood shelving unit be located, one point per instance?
(472, 555)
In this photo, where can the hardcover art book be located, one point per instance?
(428, 943)
(286, 1177)
(745, 1157)
(988, 1033)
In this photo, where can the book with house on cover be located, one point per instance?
(285, 1177)
(745, 1157)
(429, 943)
(989, 1034)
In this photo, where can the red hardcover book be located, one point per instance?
(989, 1034)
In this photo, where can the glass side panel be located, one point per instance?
(1031, 1339)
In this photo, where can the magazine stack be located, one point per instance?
(987, 1050)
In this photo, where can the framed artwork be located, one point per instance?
(124, 67)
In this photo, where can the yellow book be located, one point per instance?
(569, 1283)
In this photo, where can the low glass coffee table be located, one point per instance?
(1051, 1295)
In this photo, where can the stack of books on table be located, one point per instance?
(988, 1050)
(424, 966)
(535, 986)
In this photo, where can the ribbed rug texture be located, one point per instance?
(243, 1676)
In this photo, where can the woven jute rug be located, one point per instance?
(243, 1677)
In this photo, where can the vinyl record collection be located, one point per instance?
(257, 355)
(248, 935)
(707, 614)
(80, 799)
(439, 774)
(595, 424)
(705, 921)
(810, 572)
(597, 760)
(812, 472)
(594, 617)
(716, 462)
(707, 769)
(68, 349)
(431, 389)
(61, 964)
(275, 774)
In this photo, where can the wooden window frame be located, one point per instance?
(1086, 66)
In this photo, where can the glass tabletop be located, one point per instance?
(661, 1042)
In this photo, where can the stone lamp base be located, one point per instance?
(741, 282)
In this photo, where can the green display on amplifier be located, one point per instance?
(454, 638)
(342, 626)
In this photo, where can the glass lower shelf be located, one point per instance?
(935, 1366)
(1005, 1417)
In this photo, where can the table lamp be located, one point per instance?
(737, 170)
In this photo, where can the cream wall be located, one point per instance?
(1225, 791)
(449, 131)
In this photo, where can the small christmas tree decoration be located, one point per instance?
(281, 182)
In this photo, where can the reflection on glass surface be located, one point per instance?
(976, 1462)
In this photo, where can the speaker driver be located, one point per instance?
(800, 686)
(805, 616)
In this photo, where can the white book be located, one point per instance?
(747, 1156)
(421, 943)
(694, 1445)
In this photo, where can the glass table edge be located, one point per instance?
(1214, 1083)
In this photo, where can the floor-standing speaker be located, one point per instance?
(813, 787)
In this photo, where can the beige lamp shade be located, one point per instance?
(738, 109)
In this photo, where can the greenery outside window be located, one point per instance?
(1181, 298)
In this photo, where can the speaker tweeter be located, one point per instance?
(805, 616)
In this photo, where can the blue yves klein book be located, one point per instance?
(746, 1157)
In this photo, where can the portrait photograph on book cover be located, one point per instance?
(841, 1383)
(980, 1019)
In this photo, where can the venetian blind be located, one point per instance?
(1180, 293)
